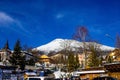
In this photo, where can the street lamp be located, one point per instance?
(107, 35)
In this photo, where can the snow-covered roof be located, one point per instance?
(30, 73)
(89, 72)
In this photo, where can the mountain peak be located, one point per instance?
(59, 44)
(58, 39)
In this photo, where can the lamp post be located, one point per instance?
(112, 54)
(107, 35)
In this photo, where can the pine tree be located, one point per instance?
(14, 58)
(17, 58)
(71, 61)
(22, 62)
(93, 61)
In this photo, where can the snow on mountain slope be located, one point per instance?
(106, 48)
(52, 46)
(59, 44)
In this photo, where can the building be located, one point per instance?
(114, 55)
(113, 69)
(4, 56)
(45, 60)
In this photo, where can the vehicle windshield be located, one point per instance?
(34, 79)
(48, 79)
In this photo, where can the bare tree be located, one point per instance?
(82, 35)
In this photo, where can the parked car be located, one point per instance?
(105, 78)
(39, 78)
(47, 72)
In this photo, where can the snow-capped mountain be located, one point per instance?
(59, 44)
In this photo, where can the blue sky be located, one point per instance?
(37, 22)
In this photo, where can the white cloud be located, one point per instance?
(12, 24)
(58, 16)
(4, 18)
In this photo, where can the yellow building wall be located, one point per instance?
(90, 76)
(115, 75)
